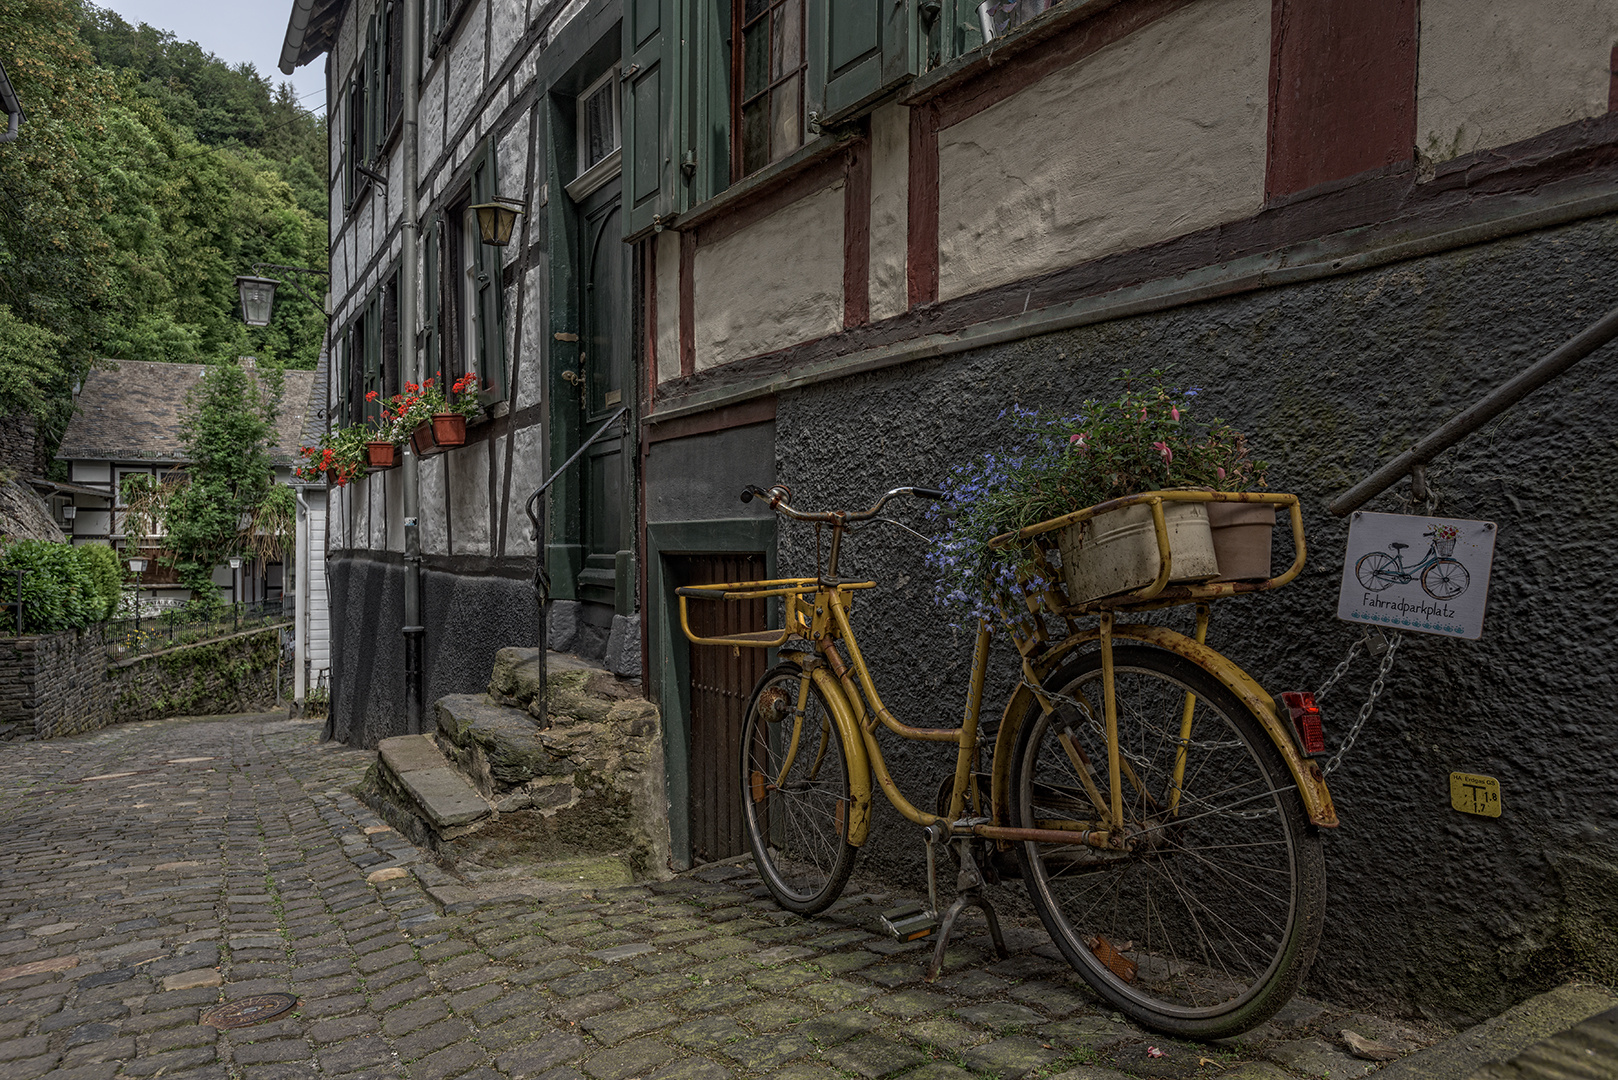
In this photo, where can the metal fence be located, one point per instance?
(147, 629)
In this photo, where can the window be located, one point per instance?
(767, 63)
(462, 289)
(598, 122)
(370, 361)
(375, 97)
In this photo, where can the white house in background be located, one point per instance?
(128, 419)
(312, 662)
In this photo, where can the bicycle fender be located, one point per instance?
(1310, 780)
(1305, 773)
(859, 764)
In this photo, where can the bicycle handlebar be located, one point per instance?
(780, 493)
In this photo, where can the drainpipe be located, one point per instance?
(300, 661)
(414, 631)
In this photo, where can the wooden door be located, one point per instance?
(722, 680)
(608, 364)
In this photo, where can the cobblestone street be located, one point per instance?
(152, 871)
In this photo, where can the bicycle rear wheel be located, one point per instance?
(794, 792)
(1207, 927)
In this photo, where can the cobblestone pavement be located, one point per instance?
(151, 871)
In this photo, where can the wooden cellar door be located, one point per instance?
(722, 680)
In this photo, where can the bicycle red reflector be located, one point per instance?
(1307, 720)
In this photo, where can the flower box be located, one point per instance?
(444, 431)
(1117, 552)
(1242, 532)
(381, 455)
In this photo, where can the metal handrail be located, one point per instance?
(542, 575)
(1497, 401)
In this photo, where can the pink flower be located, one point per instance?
(1077, 440)
(1174, 412)
(1163, 448)
(1153, 1052)
(1220, 469)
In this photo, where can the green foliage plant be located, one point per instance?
(1144, 439)
(106, 575)
(58, 591)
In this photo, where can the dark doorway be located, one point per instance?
(721, 683)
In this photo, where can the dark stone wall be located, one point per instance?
(469, 617)
(1459, 916)
(228, 675)
(53, 685)
(21, 448)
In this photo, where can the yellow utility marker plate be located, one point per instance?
(1473, 794)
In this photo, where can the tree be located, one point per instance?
(227, 497)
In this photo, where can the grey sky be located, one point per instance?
(234, 31)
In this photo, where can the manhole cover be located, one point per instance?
(247, 1011)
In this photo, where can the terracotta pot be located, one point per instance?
(1117, 551)
(421, 440)
(449, 429)
(381, 455)
(1241, 537)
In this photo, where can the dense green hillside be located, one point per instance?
(146, 176)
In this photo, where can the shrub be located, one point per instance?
(58, 591)
(106, 574)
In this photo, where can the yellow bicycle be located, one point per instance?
(1163, 809)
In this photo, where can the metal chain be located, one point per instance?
(1342, 669)
(1370, 702)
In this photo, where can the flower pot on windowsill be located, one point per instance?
(444, 432)
(1242, 533)
(381, 455)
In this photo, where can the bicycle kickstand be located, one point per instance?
(969, 887)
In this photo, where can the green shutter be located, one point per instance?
(649, 104)
(859, 50)
(430, 290)
(491, 358)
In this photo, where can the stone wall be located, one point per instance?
(53, 685)
(227, 675)
(21, 448)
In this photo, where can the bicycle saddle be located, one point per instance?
(1398, 547)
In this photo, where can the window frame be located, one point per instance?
(739, 99)
(595, 175)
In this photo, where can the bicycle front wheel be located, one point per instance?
(1445, 579)
(1206, 925)
(794, 792)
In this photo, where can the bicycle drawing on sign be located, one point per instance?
(1441, 576)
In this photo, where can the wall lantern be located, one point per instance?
(258, 297)
(235, 562)
(137, 565)
(496, 218)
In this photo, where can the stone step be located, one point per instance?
(438, 789)
(1514, 1044)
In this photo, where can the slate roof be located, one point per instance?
(133, 410)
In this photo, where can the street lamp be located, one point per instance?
(235, 593)
(137, 566)
(258, 298)
(496, 218)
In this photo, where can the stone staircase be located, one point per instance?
(496, 794)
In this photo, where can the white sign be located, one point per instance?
(1426, 574)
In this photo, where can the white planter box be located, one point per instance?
(1116, 552)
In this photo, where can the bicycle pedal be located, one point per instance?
(908, 922)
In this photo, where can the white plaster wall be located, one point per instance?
(1495, 71)
(467, 474)
(430, 474)
(508, 20)
(466, 71)
(430, 118)
(1155, 136)
(337, 519)
(530, 386)
(393, 505)
(527, 472)
(890, 210)
(771, 285)
(668, 305)
(511, 176)
(376, 516)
